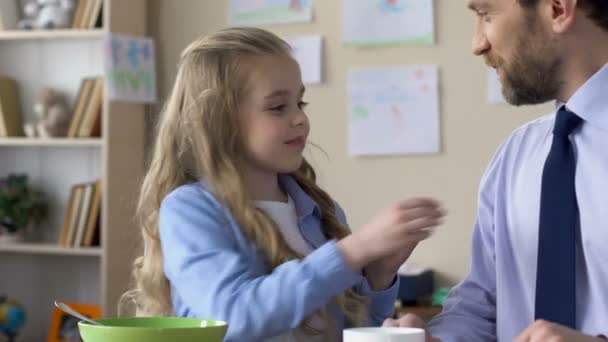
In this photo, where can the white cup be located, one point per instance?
(384, 335)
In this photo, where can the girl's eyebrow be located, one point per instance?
(283, 92)
(277, 93)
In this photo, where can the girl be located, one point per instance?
(235, 226)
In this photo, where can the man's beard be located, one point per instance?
(533, 75)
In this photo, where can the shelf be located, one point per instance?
(52, 142)
(35, 270)
(48, 249)
(50, 34)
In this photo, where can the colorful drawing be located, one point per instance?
(391, 5)
(388, 22)
(295, 5)
(130, 68)
(360, 113)
(394, 111)
(257, 12)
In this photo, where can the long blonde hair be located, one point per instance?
(198, 138)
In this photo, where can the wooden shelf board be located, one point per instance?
(48, 249)
(52, 142)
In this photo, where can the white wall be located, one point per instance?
(471, 128)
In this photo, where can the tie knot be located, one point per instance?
(565, 122)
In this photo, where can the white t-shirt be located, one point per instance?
(286, 218)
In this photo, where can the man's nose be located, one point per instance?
(480, 43)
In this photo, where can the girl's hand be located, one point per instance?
(381, 273)
(392, 234)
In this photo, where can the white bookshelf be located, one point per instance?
(39, 271)
(51, 34)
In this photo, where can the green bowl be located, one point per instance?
(153, 329)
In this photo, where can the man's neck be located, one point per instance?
(585, 58)
(576, 75)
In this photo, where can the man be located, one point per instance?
(540, 244)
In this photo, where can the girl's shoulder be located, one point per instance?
(195, 195)
(192, 212)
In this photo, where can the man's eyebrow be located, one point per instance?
(478, 6)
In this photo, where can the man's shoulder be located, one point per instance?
(531, 132)
(520, 142)
(539, 126)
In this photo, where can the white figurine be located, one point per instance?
(47, 14)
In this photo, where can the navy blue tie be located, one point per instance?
(556, 273)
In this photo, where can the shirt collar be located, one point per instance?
(304, 204)
(590, 101)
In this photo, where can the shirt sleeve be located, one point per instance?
(469, 312)
(381, 303)
(211, 273)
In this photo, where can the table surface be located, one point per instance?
(424, 312)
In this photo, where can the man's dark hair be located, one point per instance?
(597, 10)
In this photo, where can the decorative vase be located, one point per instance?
(6, 237)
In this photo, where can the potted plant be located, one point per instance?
(20, 207)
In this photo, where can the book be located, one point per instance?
(85, 14)
(78, 14)
(79, 106)
(84, 94)
(8, 15)
(67, 218)
(94, 215)
(94, 14)
(88, 13)
(3, 131)
(75, 215)
(92, 112)
(95, 130)
(85, 206)
(10, 108)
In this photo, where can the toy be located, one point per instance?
(12, 317)
(440, 295)
(53, 116)
(47, 14)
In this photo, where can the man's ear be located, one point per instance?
(561, 14)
